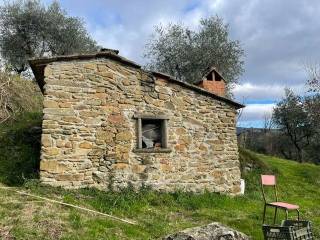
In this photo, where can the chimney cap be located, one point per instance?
(207, 72)
(210, 70)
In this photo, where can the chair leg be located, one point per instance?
(298, 214)
(264, 213)
(275, 215)
(286, 214)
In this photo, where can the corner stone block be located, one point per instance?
(50, 104)
(59, 111)
(51, 151)
(49, 166)
(48, 71)
(46, 140)
(70, 177)
(53, 166)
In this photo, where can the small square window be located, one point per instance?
(152, 133)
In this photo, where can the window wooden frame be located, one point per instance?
(164, 134)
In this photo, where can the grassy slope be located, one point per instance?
(19, 149)
(18, 95)
(157, 214)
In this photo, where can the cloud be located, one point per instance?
(254, 115)
(264, 92)
(257, 111)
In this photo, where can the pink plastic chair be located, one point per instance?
(270, 180)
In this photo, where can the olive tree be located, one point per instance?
(29, 29)
(186, 54)
(292, 117)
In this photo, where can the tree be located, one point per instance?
(312, 103)
(28, 29)
(292, 118)
(186, 54)
(313, 70)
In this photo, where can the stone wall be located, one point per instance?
(89, 132)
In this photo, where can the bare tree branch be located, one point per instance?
(313, 71)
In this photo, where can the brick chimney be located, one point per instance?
(213, 82)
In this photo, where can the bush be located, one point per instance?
(20, 149)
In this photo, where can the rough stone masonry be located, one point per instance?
(90, 129)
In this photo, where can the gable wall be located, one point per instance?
(89, 133)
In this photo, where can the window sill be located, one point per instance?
(152, 150)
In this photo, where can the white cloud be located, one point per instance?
(254, 115)
(255, 112)
(267, 91)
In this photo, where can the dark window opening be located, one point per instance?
(213, 76)
(152, 132)
(218, 77)
(209, 77)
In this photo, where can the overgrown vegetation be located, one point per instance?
(249, 162)
(20, 148)
(20, 129)
(17, 96)
(298, 119)
(157, 214)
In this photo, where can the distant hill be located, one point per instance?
(241, 130)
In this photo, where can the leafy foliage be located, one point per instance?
(298, 119)
(28, 29)
(186, 54)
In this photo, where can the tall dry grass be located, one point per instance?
(18, 95)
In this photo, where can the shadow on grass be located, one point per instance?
(20, 149)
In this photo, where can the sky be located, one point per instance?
(278, 36)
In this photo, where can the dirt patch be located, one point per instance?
(52, 229)
(5, 233)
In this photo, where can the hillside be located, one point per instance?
(157, 214)
(17, 95)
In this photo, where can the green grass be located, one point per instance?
(157, 214)
(20, 149)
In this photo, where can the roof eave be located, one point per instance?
(110, 55)
(200, 90)
(38, 64)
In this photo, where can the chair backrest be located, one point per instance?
(268, 180)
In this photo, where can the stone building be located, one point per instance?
(109, 123)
